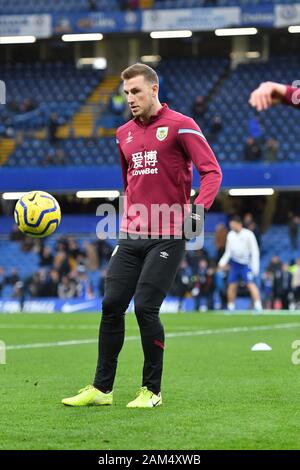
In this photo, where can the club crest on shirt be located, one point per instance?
(129, 138)
(161, 133)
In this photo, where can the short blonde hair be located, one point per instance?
(140, 69)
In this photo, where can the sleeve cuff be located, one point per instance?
(288, 94)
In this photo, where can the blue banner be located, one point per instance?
(99, 22)
(258, 15)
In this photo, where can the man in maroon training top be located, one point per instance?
(270, 93)
(157, 149)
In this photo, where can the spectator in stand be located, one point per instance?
(61, 263)
(194, 256)
(118, 103)
(198, 108)
(74, 249)
(255, 128)
(92, 261)
(267, 289)
(221, 287)
(182, 283)
(220, 239)
(275, 264)
(250, 224)
(296, 282)
(84, 288)
(13, 278)
(34, 285)
(286, 284)
(2, 279)
(215, 127)
(67, 288)
(271, 152)
(19, 294)
(53, 126)
(46, 257)
(52, 283)
(293, 222)
(203, 286)
(252, 151)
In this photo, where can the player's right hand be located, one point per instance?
(267, 95)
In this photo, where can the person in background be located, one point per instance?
(52, 129)
(216, 126)
(296, 282)
(293, 223)
(242, 254)
(198, 108)
(46, 257)
(182, 283)
(250, 224)
(203, 286)
(2, 279)
(271, 152)
(286, 287)
(220, 239)
(67, 288)
(252, 150)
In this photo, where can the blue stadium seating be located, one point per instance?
(53, 86)
(183, 80)
(92, 151)
(15, 7)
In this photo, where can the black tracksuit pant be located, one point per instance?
(143, 269)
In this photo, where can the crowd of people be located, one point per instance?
(64, 271)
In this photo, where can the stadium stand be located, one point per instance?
(38, 89)
(70, 6)
(225, 93)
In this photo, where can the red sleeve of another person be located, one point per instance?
(196, 147)
(292, 96)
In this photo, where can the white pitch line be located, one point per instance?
(168, 335)
(25, 326)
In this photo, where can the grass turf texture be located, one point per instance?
(217, 393)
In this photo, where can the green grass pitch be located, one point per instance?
(217, 393)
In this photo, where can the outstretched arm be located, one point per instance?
(268, 94)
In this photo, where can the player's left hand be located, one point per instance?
(193, 224)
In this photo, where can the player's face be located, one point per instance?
(235, 226)
(140, 96)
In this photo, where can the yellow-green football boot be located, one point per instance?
(145, 399)
(89, 396)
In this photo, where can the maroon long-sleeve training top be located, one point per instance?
(292, 96)
(156, 160)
